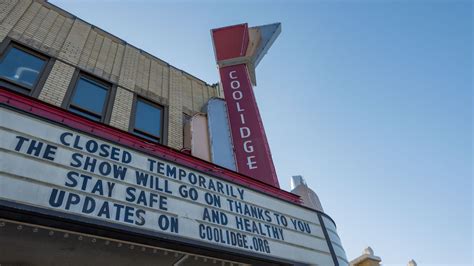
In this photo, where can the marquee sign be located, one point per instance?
(52, 167)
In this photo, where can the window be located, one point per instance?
(21, 69)
(148, 120)
(89, 98)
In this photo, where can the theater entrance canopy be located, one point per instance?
(77, 188)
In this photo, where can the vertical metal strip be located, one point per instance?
(328, 240)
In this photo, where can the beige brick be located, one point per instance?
(187, 92)
(87, 50)
(57, 83)
(53, 31)
(45, 26)
(198, 99)
(156, 77)
(143, 72)
(35, 24)
(205, 92)
(26, 19)
(95, 52)
(60, 38)
(165, 86)
(104, 51)
(175, 126)
(122, 109)
(13, 16)
(117, 63)
(109, 58)
(5, 7)
(146, 73)
(128, 70)
(141, 75)
(72, 47)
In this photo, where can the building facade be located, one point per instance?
(108, 156)
(72, 48)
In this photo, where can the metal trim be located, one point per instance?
(76, 223)
(328, 240)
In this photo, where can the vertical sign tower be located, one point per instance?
(238, 50)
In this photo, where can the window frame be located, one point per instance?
(34, 91)
(109, 98)
(163, 128)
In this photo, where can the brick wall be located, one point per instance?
(56, 85)
(121, 109)
(78, 45)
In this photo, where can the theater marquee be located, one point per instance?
(51, 167)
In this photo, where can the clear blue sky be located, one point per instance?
(371, 101)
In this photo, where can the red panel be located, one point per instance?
(56, 114)
(230, 42)
(250, 142)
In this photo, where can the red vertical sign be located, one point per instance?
(250, 143)
(251, 148)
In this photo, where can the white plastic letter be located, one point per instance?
(235, 84)
(231, 74)
(237, 95)
(251, 163)
(244, 132)
(248, 148)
